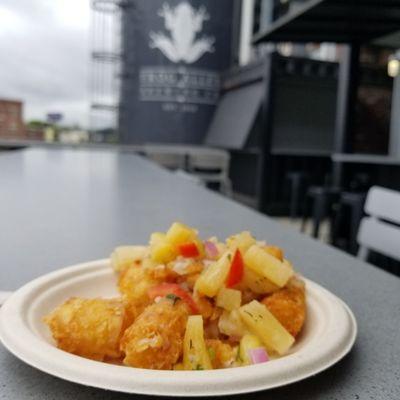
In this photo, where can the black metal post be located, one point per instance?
(263, 189)
(345, 105)
(237, 12)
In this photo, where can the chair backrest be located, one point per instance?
(213, 160)
(380, 231)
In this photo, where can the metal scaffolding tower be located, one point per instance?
(105, 69)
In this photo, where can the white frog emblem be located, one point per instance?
(183, 22)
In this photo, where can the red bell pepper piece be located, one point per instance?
(188, 250)
(235, 274)
(165, 289)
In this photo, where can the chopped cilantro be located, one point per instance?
(173, 297)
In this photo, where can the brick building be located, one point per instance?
(11, 123)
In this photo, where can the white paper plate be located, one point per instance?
(328, 335)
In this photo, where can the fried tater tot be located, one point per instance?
(288, 305)
(160, 272)
(155, 339)
(89, 328)
(222, 355)
(134, 283)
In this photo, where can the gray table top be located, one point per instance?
(366, 159)
(22, 143)
(59, 207)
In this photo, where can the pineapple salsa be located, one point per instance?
(189, 304)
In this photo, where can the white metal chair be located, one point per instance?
(163, 156)
(211, 167)
(380, 230)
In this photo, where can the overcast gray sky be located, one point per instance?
(45, 56)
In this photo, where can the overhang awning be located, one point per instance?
(235, 116)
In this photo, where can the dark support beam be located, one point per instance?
(349, 69)
(263, 186)
(351, 21)
(237, 12)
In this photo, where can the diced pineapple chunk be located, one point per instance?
(179, 233)
(161, 251)
(263, 324)
(124, 256)
(222, 248)
(195, 354)
(200, 247)
(257, 283)
(288, 263)
(213, 278)
(231, 324)
(248, 342)
(229, 299)
(157, 237)
(149, 264)
(267, 265)
(241, 241)
(274, 251)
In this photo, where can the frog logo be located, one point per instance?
(184, 23)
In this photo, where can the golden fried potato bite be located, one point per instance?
(189, 303)
(89, 328)
(135, 281)
(155, 339)
(222, 355)
(288, 305)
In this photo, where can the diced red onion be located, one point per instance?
(258, 355)
(211, 249)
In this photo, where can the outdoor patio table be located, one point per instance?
(60, 207)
